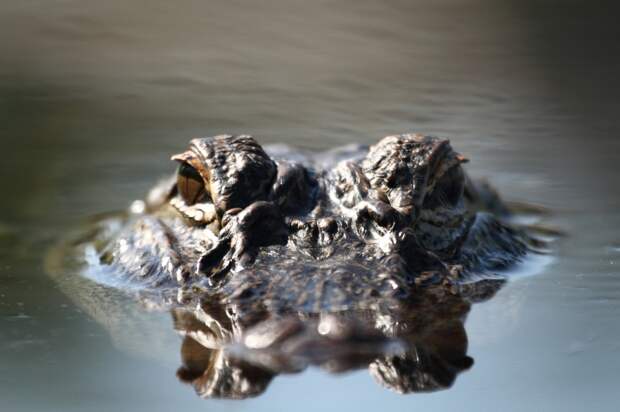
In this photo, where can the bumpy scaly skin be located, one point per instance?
(331, 251)
(403, 213)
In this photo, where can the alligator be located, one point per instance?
(275, 259)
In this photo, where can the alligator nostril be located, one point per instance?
(295, 225)
(328, 225)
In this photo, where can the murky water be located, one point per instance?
(94, 97)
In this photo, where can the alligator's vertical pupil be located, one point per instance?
(190, 184)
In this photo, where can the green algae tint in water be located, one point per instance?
(95, 98)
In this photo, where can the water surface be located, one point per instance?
(95, 97)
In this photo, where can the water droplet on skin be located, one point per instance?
(137, 207)
(324, 328)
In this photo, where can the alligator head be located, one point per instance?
(285, 251)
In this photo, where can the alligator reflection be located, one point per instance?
(415, 347)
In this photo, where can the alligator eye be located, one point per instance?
(190, 184)
(448, 190)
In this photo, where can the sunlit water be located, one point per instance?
(95, 97)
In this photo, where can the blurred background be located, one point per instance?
(95, 96)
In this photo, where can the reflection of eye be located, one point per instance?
(190, 184)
